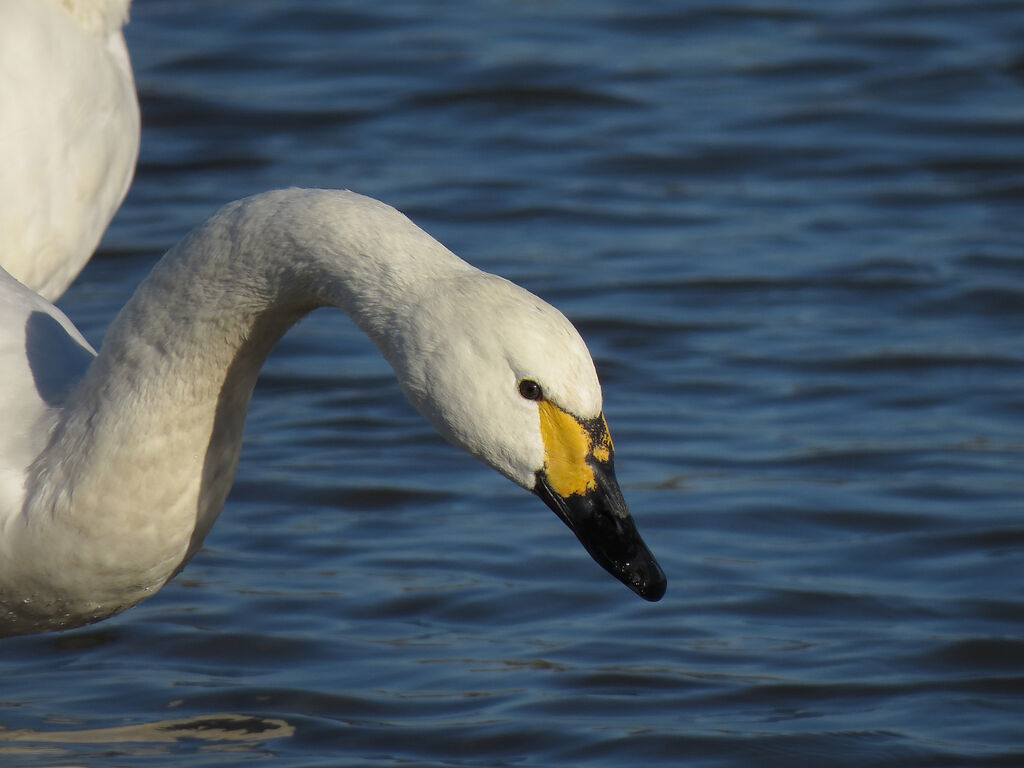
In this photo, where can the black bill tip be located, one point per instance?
(647, 579)
(603, 525)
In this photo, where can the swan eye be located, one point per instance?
(530, 389)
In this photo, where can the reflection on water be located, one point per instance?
(141, 738)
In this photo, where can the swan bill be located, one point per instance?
(578, 484)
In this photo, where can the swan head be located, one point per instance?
(505, 376)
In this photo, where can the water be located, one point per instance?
(791, 233)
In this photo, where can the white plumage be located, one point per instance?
(116, 466)
(69, 134)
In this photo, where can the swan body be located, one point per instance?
(69, 134)
(119, 462)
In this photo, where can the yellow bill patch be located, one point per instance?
(568, 445)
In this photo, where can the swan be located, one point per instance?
(69, 134)
(114, 466)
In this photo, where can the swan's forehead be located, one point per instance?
(541, 344)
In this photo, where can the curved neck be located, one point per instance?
(147, 446)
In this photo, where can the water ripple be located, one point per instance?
(791, 235)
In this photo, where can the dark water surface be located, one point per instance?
(793, 236)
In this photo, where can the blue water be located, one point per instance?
(793, 236)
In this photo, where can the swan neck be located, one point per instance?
(145, 451)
